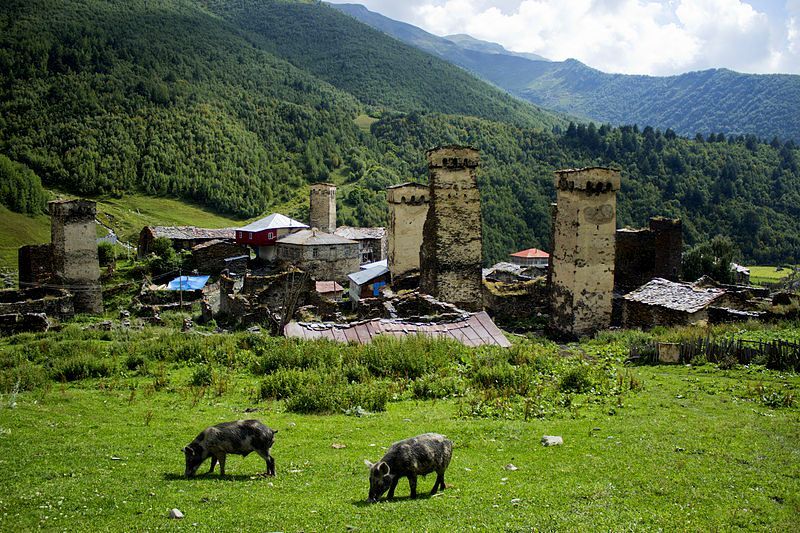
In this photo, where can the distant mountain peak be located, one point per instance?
(471, 43)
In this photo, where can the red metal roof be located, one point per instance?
(324, 287)
(531, 252)
(475, 330)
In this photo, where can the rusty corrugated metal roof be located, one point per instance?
(475, 330)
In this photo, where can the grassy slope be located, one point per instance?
(127, 215)
(767, 274)
(685, 454)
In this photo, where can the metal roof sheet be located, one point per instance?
(531, 252)
(274, 221)
(475, 330)
(363, 277)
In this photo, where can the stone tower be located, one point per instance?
(408, 209)
(73, 236)
(451, 255)
(323, 207)
(582, 262)
(668, 247)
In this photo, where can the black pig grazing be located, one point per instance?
(417, 456)
(240, 437)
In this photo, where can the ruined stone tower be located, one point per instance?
(74, 247)
(323, 207)
(408, 209)
(451, 255)
(582, 262)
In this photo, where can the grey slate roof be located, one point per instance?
(274, 221)
(357, 234)
(684, 297)
(313, 237)
(191, 232)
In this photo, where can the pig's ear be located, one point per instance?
(383, 468)
(188, 450)
(368, 463)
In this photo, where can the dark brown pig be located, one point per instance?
(417, 456)
(240, 438)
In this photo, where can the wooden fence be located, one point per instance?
(775, 355)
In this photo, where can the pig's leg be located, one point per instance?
(221, 459)
(269, 460)
(213, 463)
(412, 481)
(392, 487)
(439, 484)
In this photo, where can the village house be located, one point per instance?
(530, 257)
(182, 237)
(263, 234)
(322, 255)
(661, 302)
(372, 241)
(367, 283)
(330, 290)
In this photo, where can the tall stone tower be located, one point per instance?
(582, 262)
(668, 247)
(451, 255)
(323, 207)
(408, 209)
(73, 236)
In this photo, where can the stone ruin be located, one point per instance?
(648, 253)
(582, 263)
(451, 254)
(70, 260)
(322, 208)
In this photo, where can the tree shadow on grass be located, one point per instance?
(172, 476)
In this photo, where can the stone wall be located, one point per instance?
(408, 209)
(55, 303)
(451, 255)
(639, 315)
(582, 273)
(35, 264)
(510, 303)
(322, 208)
(209, 258)
(74, 244)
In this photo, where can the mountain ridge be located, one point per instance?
(725, 102)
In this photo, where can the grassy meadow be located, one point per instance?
(97, 419)
(760, 275)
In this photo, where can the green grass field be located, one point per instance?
(760, 275)
(689, 448)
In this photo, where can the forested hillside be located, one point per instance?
(238, 105)
(697, 102)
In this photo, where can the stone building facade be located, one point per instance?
(408, 209)
(451, 255)
(322, 255)
(74, 245)
(322, 208)
(648, 253)
(210, 257)
(582, 262)
(371, 241)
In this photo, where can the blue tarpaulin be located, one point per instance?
(188, 283)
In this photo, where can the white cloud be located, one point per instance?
(628, 36)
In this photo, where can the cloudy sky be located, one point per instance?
(657, 37)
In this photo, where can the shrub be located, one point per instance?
(202, 376)
(431, 387)
(106, 253)
(24, 377)
(282, 384)
(576, 379)
(82, 366)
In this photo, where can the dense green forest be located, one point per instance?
(239, 104)
(716, 100)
